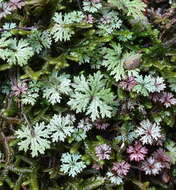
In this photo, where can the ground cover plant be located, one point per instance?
(88, 94)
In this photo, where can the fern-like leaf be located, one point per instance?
(91, 96)
(72, 164)
(34, 139)
(134, 8)
(56, 86)
(62, 29)
(113, 61)
(61, 127)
